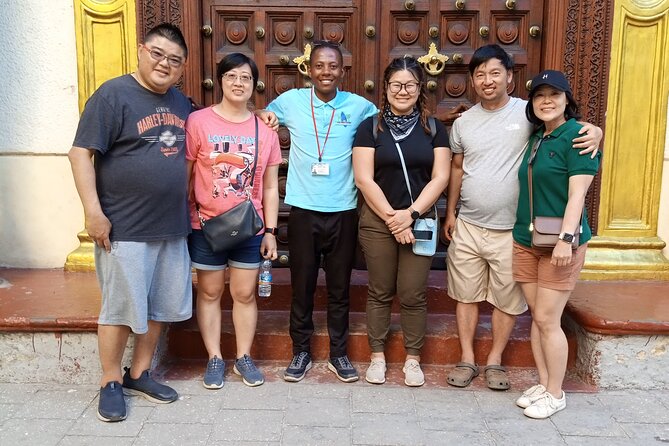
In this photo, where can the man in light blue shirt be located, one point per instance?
(320, 188)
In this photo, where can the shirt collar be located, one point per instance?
(558, 131)
(318, 103)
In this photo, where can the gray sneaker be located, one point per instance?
(250, 374)
(214, 376)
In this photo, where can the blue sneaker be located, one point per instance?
(298, 367)
(111, 406)
(343, 368)
(148, 388)
(214, 376)
(250, 374)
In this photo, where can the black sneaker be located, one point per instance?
(298, 367)
(343, 368)
(111, 406)
(148, 388)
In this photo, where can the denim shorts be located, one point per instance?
(246, 255)
(144, 281)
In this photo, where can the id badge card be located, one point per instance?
(320, 169)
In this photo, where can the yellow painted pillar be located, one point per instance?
(106, 48)
(627, 245)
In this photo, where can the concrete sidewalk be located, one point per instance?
(323, 411)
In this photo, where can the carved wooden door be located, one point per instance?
(457, 28)
(371, 33)
(274, 33)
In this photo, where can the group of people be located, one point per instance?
(160, 168)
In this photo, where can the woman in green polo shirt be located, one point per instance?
(560, 179)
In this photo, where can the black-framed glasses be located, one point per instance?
(409, 87)
(232, 78)
(159, 56)
(534, 150)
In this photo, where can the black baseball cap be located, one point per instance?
(553, 78)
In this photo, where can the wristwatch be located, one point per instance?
(273, 231)
(566, 237)
(414, 214)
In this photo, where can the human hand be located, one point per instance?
(449, 225)
(399, 220)
(98, 227)
(561, 254)
(269, 118)
(589, 140)
(268, 247)
(405, 237)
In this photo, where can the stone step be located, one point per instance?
(438, 301)
(272, 340)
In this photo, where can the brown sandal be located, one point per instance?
(496, 378)
(463, 374)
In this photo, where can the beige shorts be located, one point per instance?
(480, 268)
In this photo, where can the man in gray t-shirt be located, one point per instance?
(488, 142)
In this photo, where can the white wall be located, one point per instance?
(40, 213)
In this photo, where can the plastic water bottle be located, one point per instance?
(265, 279)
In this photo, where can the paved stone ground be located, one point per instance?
(323, 411)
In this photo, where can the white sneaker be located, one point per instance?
(376, 372)
(530, 395)
(545, 406)
(413, 375)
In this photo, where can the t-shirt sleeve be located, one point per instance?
(581, 164)
(454, 138)
(364, 136)
(192, 140)
(275, 148)
(99, 125)
(441, 137)
(370, 110)
(277, 107)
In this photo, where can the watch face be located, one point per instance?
(567, 237)
(415, 215)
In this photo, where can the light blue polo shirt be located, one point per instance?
(335, 192)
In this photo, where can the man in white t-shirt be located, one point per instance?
(488, 142)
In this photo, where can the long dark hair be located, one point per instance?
(410, 64)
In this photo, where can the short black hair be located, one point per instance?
(171, 33)
(485, 53)
(320, 44)
(234, 60)
(571, 111)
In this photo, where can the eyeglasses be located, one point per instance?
(534, 151)
(410, 87)
(159, 56)
(232, 78)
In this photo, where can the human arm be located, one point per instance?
(578, 188)
(589, 139)
(429, 195)
(453, 195)
(270, 204)
(269, 118)
(98, 225)
(453, 113)
(363, 171)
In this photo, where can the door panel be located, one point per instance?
(371, 33)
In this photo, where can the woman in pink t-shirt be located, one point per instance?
(221, 146)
